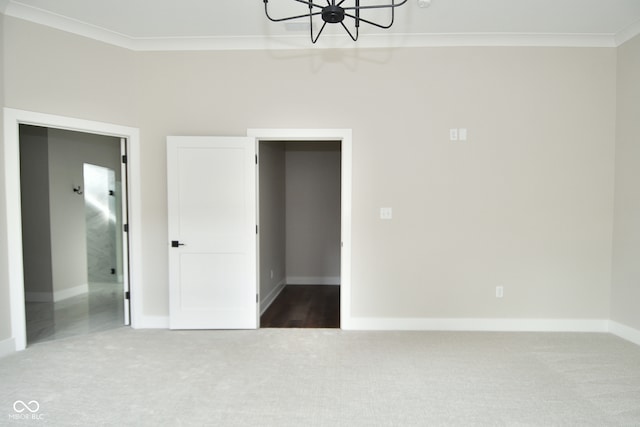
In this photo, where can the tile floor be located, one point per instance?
(100, 309)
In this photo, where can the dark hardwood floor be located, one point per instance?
(304, 306)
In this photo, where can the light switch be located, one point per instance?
(453, 134)
(462, 134)
(386, 213)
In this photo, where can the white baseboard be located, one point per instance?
(522, 325)
(151, 322)
(7, 347)
(624, 332)
(271, 296)
(70, 293)
(307, 280)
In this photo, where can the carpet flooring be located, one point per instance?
(323, 377)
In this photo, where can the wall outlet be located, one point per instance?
(499, 291)
(386, 213)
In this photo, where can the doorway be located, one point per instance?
(300, 239)
(74, 246)
(13, 118)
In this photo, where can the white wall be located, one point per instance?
(5, 311)
(272, 221)
(54, 72)
(625, 290)
(313, 213)
(526, 203)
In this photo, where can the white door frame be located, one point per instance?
(12, 119)
(345, 137)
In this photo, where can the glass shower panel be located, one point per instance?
(102, 217)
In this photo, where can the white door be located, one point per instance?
(123, 223)
(212, 232)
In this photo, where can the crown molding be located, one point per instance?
(372, 41)
(628, 33)
(69, 25)
(288, 42)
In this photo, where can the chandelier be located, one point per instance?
(335, 12)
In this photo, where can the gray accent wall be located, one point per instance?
(625, 287)
(313, 213)
(36, 222)
(272, 221)
(54, 221)
(299, 215)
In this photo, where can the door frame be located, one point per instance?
(13, 118)
(344, 136)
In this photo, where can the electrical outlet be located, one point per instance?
(499, 291)
(386, 213)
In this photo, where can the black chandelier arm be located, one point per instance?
(393, 5)
(354, 38)
(311, 4)
(366, 21)
(314, 40)
(266, 11)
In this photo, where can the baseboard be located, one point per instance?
(70, 293)
(271, 296)
(522, 325)
(7, 347)
(624, 332)
(307, 280)
(151, 322)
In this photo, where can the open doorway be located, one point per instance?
(300, 238)
(73, 204)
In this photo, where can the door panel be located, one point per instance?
(123, 219)
(212, 214)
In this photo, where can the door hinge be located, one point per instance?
(127, 295)
(256, 229)
(256, 159)
(126, 228)
(257, 299)
(124, 159)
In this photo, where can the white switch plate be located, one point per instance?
(499, 291)
(386, 213)
(462, 134)
(453, 134)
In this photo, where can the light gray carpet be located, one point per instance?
(322, 377)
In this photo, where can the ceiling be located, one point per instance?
(242, 24)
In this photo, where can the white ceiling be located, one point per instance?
(242, 24)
